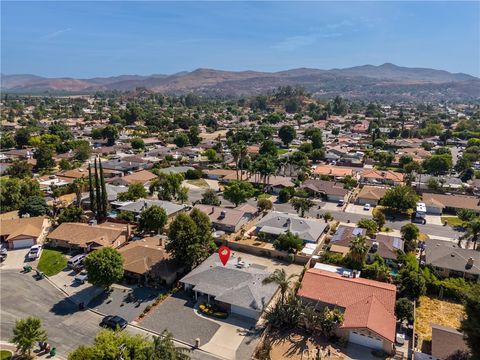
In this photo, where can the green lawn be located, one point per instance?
(452, 220)
(264, 196)
(52, 262)
(198, 182)
(5, 355)
(281, 151)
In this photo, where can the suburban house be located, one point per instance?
(374, 176)
(276, 183)
(124, 166)
(147, 262)
(276, 223)
(86, 237)
(450, 260)
(446, 341)
(236, 287)
(225, 219)
(386, 246)
(327, 190)
(340, 242)
(136, 207)
(23, 232)
(447, 183)
(439, 203)
(371, 195)
(335, 172)
(143, 177)
(368, 306)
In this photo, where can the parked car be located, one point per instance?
(400, 339)
(341, 202)
(114, 321)
(81, 277)
(35, 252)
(367, 207)
(75, 261)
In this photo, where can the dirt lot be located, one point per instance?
(434, 311)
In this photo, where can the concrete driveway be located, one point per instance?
(77, 292)
(358, 209)
(16, 260)
(331, 206)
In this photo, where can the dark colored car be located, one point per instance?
(113, 321)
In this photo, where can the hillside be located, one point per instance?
(386, 81)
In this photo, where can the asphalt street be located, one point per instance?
(22, 295)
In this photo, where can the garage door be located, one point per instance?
(364, 340)
(24, 243)
(250, 313)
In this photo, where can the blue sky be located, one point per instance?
(87, 39)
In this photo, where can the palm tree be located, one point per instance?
(79, 185)
(358, 248)
(243, 153)
(163, 348)
(280, 278)
(301, 205)
(235, 150)
(472, 233)
(26, 333)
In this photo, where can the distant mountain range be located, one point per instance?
(387, 81)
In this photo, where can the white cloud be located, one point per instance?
(55, 34)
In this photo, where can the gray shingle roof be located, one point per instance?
(231, 284)
(137, 206)
(277, 222)
(447, 255)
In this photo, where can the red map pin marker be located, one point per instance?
(224, 254)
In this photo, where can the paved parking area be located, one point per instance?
(127, 303)
(358, 209)
(434, 219)
(176, 314)
(331, 206)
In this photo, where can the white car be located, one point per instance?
(400, 339)
(81, 277)
(366, 207)
(35, 252)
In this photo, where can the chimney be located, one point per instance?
(129, 231)
(160, 241)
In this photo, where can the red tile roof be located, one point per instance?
(368, 304)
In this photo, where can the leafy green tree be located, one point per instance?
(91, 190)
(438, 164)
(238, 192)
(209, 197)
(404, 309)
(34, 206)
(163, 348)
(301, 205)
(133, 193)
(13, 192)
(22, 137)
(71, 213)
(44, 157)
(110, 132)
(191, 239)
(153, 219)
(137, 143)
(268, 147)
(284, 315)
(211, 155)
(471, 323)
(181, 140)
(287, 133)
(327, 216)
(280, 278)
(358, 249)
(82, 151)
(377, 269)
(370, 225)
(400, 198)
(182, 194)
(379, 218)
(20, 169)
(194, 135)
(64, 164)
(317, 155)
(331, 319)
(167, 185)
(26, 333)
(412, 283)
(410, 234)
(264, 204)
(288, 242)
(472, 232)
(104, 267)
(285, 195)
(126, 216)
(7, 141)
(466, 214)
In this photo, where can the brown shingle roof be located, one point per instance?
(24, 226)
(446, 340)
(83, 234)
(372, 192)
(382, 175)
(454, 201)
(368, 304)
(229, 217)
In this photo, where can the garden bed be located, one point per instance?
(209, 310)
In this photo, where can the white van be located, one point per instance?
(76, 260)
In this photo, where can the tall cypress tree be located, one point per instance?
(98, 195)
(93, 205)
(104, 192)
